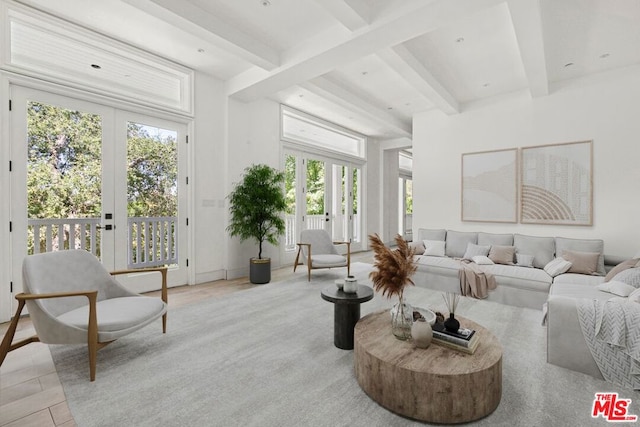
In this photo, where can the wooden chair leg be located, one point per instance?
(309, 270)
(92, 337)
(295, 264)
(5, 347)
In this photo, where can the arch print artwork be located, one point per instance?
(556, 184)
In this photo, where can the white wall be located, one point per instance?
(605, 109)
(253, 137)
(208, 177)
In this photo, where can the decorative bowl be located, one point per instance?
(428, 315)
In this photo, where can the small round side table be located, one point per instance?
(346, 312)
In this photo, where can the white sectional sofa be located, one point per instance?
(522, 284)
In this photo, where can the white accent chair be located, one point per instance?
(319, 251)
(73, 299)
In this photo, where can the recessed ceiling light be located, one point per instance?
(459, 39)
(96, 66)
(568, 64)
(604, 55)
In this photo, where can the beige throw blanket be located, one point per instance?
(474, 282)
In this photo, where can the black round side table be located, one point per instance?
(346, 312)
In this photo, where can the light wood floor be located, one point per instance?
(30, 391)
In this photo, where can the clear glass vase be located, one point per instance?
(401, 319)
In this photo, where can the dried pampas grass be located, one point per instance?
(394, 267)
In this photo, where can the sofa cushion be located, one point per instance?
(490, 239)
(630, 263)
(583, 245)
(433, 247)
(524, 260)
(557, 266)
(116, 314)
(617, 288)
(582, 262)
(573, 290)
(630, 277)
(502, 254)
(431, 234)
(579, 279)
(543, 249)
(475, 250)
(457, 242)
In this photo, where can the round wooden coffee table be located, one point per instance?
(436, 384)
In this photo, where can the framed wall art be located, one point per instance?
(557, 184)
(489, 186)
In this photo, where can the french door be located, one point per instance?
(322, 193)
(87, 176)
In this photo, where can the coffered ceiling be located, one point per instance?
(369, 65)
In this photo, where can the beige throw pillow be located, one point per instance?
(502, 254)
(630, 263)
(582, 262)
(418, 246)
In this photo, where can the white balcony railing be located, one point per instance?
(315, 222)
(150, 241)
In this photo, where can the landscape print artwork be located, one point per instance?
(489, 186)
(556, 184)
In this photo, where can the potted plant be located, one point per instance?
(256, 206)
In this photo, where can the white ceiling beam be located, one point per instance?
(340, 95)
(194, 20)
(527, 23)
(352, 17)
(381, 34)
(404, 62)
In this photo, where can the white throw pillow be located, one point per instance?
(630, 276)
(474, 250)
(524, 260)
(616, 288)
(482, 260)
(433, 247)
(557, 266)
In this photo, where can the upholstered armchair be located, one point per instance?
(73, 299)
(317, 250)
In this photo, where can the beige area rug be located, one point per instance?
(265, 357)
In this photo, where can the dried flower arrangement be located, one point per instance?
(394, 270)
(394, 266)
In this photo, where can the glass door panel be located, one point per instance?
(339, 217)
(64, 179)
(290, 187)
(152, 195)
(356, 214)
(316, 215)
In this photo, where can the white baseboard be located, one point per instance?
(209, 276)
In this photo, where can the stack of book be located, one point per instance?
(465, 340)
